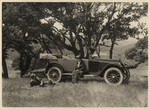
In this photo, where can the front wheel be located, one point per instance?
(54, 74)
(113, 76)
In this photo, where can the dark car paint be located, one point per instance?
(93, 66)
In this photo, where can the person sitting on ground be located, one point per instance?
(36, 81)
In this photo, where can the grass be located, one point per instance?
(90, 92)
(83, 94)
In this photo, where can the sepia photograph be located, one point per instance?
(74, 54)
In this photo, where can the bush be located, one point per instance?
(131, 53)
(136, 55)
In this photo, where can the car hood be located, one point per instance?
(107, 60)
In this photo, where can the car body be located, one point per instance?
(94, 66)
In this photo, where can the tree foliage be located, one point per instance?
(142, 43)
(87, 23)
(82, 23)
(22, 29)
(139, 52)
(81, 26)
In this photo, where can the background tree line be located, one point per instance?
(82, 28)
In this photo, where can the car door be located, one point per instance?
(68, 64)
(94, 67)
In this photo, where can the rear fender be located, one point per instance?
(53, 64)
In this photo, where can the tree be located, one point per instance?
(139, 52)
(122, 29)
(11, 40)
(138, 55)
(17, 21)
(87, 23)
(4, 65)
(83, 26)
(22, 28)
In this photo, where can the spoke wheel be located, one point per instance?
(54, 74)
(126, 76)
(113, 76)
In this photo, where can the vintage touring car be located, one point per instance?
(114, 72)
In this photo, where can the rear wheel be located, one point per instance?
(113, 76)
(54, 74)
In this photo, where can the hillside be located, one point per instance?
(118, 49)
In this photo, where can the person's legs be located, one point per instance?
(75, 77)
(80, 74)
(34, 83)
(42, 84)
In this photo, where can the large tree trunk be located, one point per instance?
(88, 52)
(27, 64)
(111, 49)
(24, 64)
(98, 51)
(5, 71)
(81, 51)
(21, 66)
(75, 51)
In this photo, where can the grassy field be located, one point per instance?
(90, 92)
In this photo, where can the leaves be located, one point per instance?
(139, 52)
(82, 23)
(142, 43)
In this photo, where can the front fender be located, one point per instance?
(102, 71)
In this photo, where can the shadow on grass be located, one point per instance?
(84, 80)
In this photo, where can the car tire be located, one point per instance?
(113, 76)
(126, 76)
(54, 74)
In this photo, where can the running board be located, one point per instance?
(90, 75)
(84, 75)
(67, 74)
